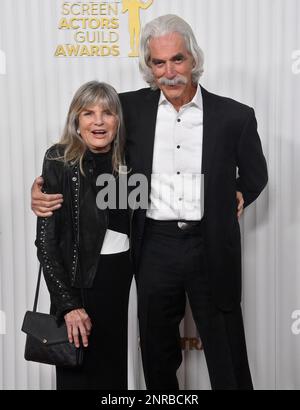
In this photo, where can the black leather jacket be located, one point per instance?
(69, 242)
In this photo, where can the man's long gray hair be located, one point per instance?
(161, 26)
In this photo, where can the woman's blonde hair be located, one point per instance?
(87, 95)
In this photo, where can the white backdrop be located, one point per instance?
(252, 50)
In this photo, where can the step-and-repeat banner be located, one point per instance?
(48, 48)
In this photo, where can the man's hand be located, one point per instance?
(78, 324)
(240, 203)
(43, 204)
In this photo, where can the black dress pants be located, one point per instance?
(105, 360)
(173, 265)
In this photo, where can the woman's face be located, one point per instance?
(98, 127)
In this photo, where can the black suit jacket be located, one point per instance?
(230, 142)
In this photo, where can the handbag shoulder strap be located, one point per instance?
(37, 291)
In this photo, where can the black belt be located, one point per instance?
(182, 225)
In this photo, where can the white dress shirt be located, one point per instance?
(176, 182)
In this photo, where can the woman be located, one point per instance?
(83, 248)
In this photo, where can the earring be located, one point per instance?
(78, 131)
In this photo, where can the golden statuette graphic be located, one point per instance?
(133, 7)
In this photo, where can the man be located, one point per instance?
(188, 241)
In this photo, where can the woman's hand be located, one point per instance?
(240, 203)
(78, 323)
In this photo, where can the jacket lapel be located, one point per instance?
(210, 132)
(148, 116)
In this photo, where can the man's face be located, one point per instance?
(172, 65)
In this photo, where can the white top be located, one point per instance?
(176, 182)
(114, 242)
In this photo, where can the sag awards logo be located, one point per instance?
(94, 28)
(134, 23)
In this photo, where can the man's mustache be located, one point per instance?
(178, 80)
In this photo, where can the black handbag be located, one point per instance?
(46, 341)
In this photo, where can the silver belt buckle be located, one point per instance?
(186, 226)
(183, 225)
